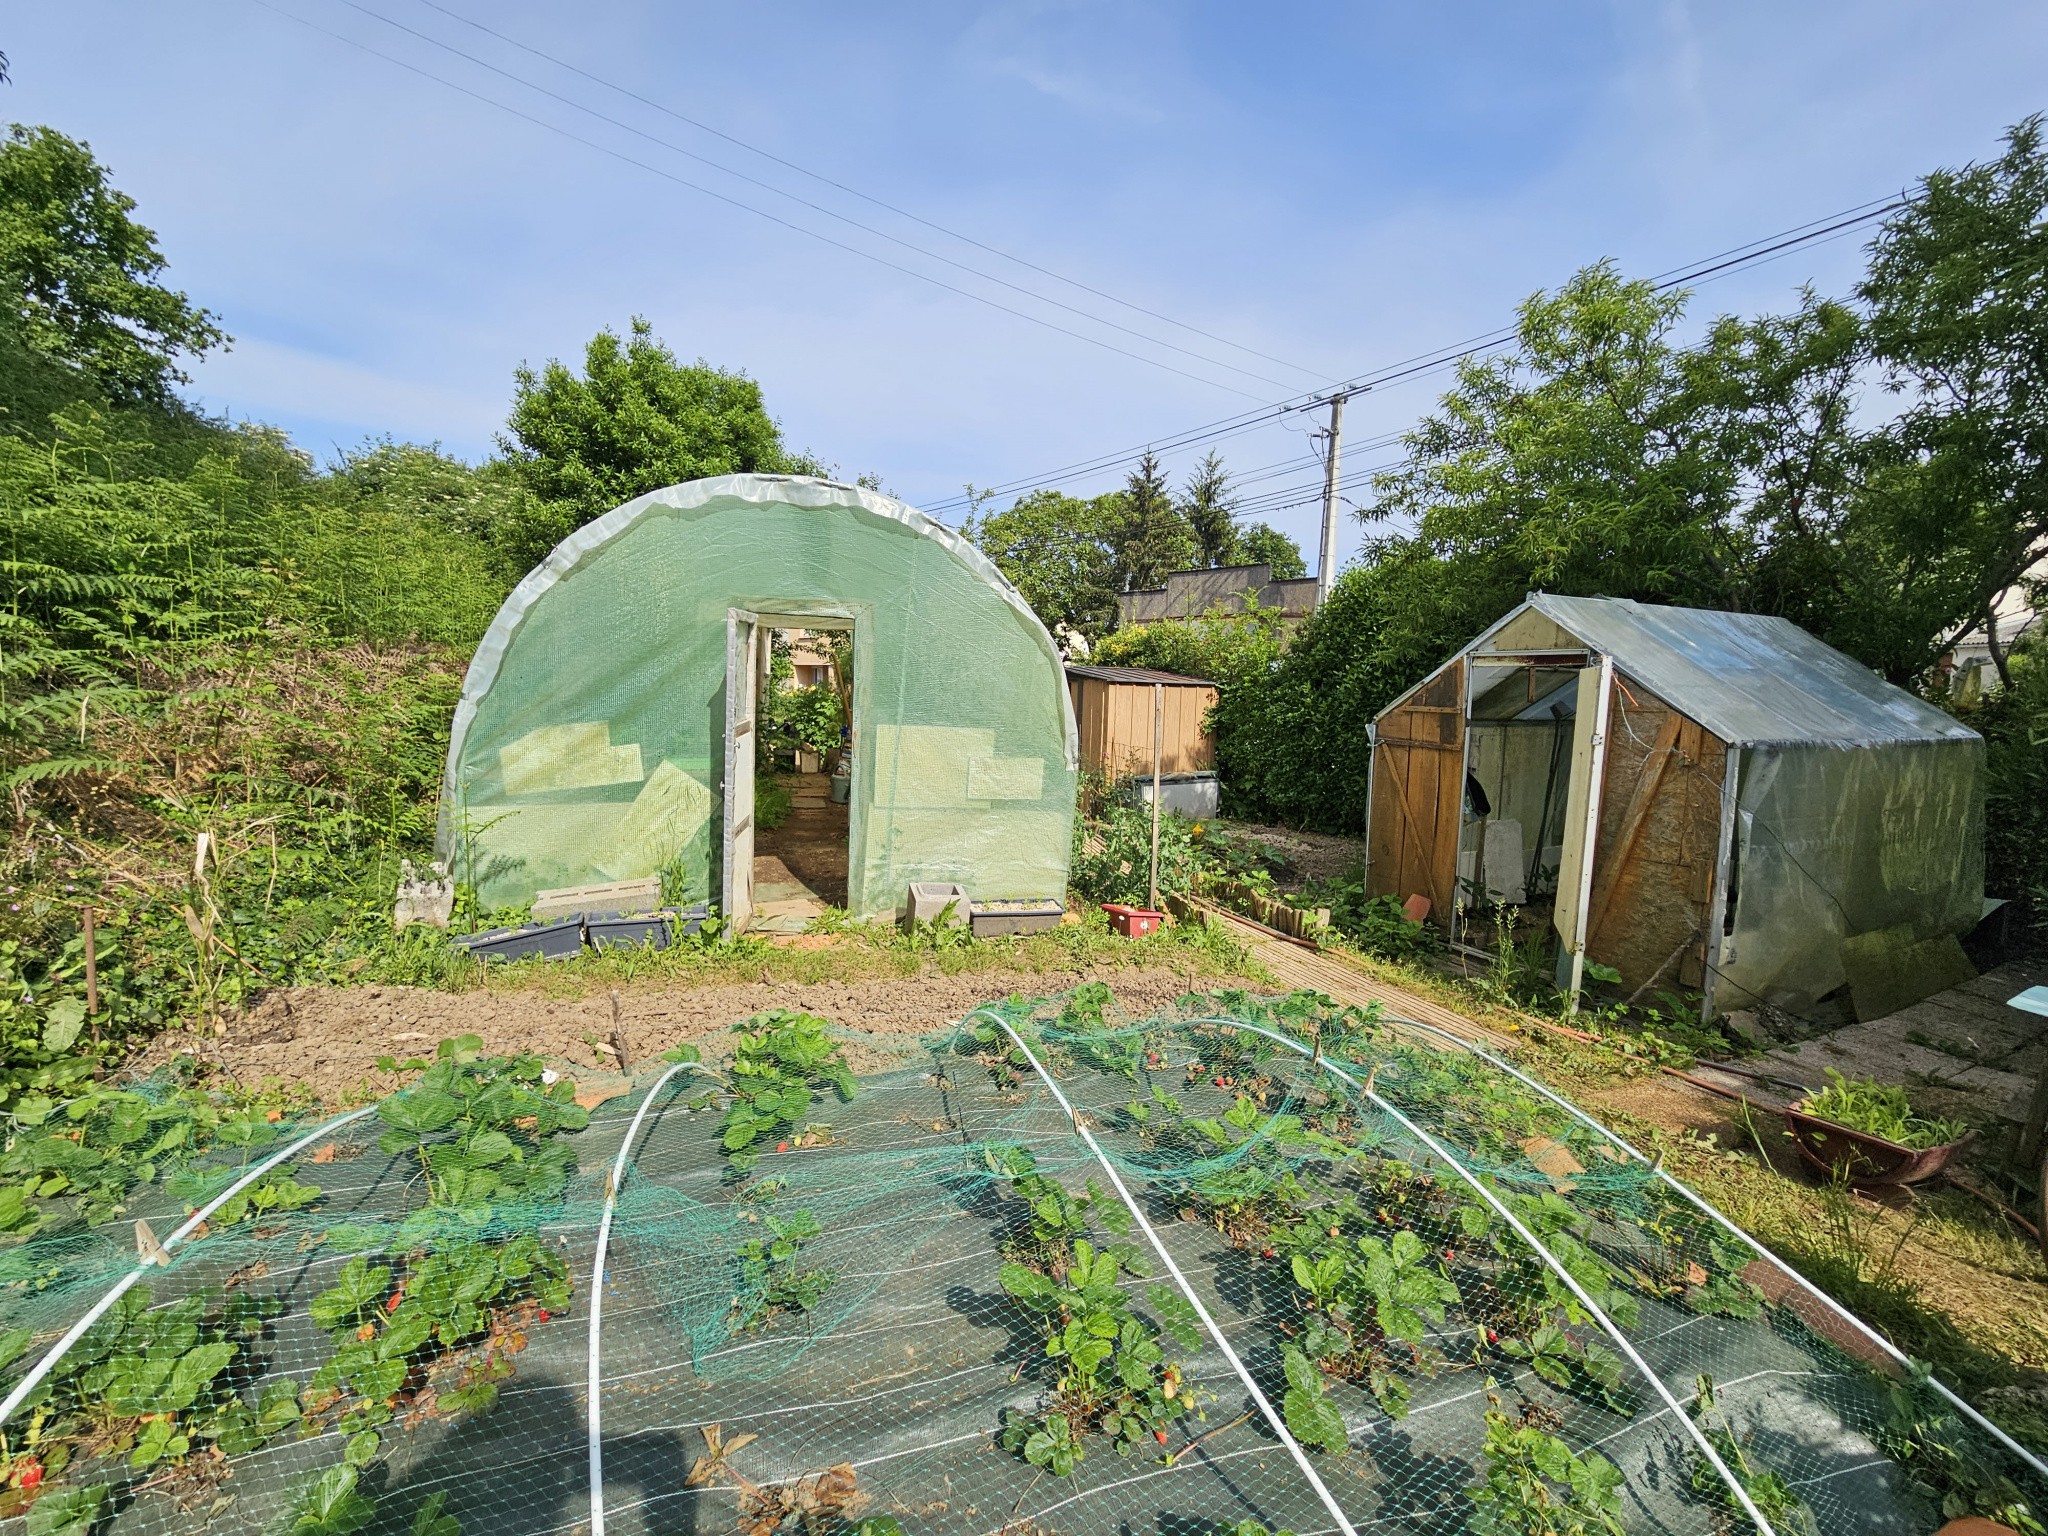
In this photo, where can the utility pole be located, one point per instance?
(1326, 569)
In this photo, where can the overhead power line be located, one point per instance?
(730, 201)
(819, 208)
(851, 191)
(1818, 231)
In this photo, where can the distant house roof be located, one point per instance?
(1137, 675)
(1190, 594)
(1749, 678)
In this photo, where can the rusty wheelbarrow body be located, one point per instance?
(1864, 1160)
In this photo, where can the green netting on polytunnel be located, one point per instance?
(1026, 1280)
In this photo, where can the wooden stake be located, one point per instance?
(92, 976)
(1158, 751)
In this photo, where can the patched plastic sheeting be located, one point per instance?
(1832, 842)
(589, 741)
(1749, 678)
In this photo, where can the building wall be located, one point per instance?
(1190, 594)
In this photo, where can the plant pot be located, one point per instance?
(1132, 922)
(1863, 1160)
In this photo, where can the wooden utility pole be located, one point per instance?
(1158, 751)
(1326, 567)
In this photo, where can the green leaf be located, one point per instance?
(418, 1112)
(62, 1020)
(362, 1448)
(1175, 1315)
(66, 1511)
(428, 1520)
(194, 1370)
(358, 1287)
(1314, 1420)
(330, 1506)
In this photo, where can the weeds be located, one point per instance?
(1880, 1109)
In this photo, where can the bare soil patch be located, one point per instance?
(1307, 857)
(329, 1038)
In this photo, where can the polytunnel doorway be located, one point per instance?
(788, 841)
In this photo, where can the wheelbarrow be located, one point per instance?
(1863, 1160)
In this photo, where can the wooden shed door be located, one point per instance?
(1418, 795)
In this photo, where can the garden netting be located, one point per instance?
(1253, 1264)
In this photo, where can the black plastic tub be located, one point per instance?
(655, 928)
(550, 941)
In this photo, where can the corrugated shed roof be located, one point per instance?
(1750, 678)
(1136, 675)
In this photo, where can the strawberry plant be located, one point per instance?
(1053, 1217)
(1113, 1374)
(772, 1276)
(481, 1128)
(96, 1149)
(1311, 1417)
(444, 1329)
(1367, 1296)
(1770, 1493)
(328, 1504)
(151, 1384)
(780, 1061)
(1247, 1180)
(1536, 1485)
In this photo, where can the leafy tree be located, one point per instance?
(1234, 650)
(1153, 536)
(1055, 549)
(1207, 506)
(1958, 299)
(635, 420)
(1261, 544)
(79, 277)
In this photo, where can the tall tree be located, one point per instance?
(1207, 506)
(79, 277)
(1055, 549)
(633, 421)
(1154, 537)
(1958, 319)
(1263, 544)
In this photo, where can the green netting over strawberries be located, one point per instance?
(916, 1301)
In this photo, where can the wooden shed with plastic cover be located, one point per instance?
(1695, 799)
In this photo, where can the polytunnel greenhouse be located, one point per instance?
(1252, 1266)
(608, 726)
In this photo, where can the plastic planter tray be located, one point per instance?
(1864, 1160)
(550, 941)
(655, 928)
(1000, 919)
(1132, 922)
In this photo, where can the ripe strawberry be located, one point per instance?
(1217, 1081)
(543, 1314)
(1159, 1435)
(28, 1474)
(782, 1146)
(1266, 1254)
(392, 1304)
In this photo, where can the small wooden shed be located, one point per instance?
(1702, 799)
(1113, 710)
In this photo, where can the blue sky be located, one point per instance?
(1337, 186)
